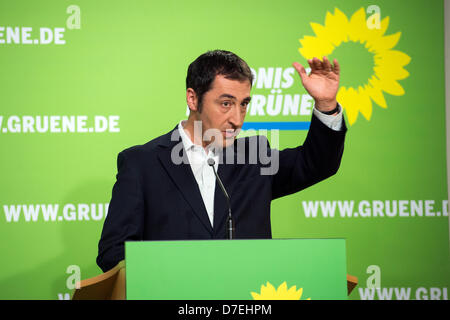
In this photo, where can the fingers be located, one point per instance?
(325, 65)
(337, 67)
(301, 71)
(311, 65)
(315, 64)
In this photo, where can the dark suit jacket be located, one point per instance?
(155, 199)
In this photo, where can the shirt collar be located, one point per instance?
(186, 139)
(187, 142)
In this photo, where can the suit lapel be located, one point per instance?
(181, 174)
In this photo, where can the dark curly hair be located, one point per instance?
(202, 72)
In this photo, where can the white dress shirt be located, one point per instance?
(333, 122)
(203, 173)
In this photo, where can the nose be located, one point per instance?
(236, 116)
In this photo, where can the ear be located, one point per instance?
(192, 99)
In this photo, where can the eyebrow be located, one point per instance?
(226, 95)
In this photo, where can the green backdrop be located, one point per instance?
(83, 80)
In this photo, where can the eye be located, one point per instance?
(226, 104)
(244, 104)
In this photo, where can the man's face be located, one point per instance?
(224, 108)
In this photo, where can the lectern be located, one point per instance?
(265, 269)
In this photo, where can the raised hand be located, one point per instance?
(322, 83)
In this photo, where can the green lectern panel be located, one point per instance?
(236, 269)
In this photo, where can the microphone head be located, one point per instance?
(211, 162)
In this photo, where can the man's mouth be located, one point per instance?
(230, 133)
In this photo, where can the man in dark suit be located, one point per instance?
(165, 189)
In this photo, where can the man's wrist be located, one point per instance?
(333, 121)
(327, 106)
(335, 111)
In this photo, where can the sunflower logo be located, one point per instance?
(268, 292)
(371, 66)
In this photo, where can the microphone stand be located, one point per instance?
(230, 231)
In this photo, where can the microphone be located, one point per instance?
(230, 222)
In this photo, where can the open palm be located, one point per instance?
(322, 83)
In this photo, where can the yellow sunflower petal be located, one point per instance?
(348, 100)
(315, 47)
(298, 294)
(390, 86)
(376, 95)
(389, 65)
(293, 294)
(394, 58)
(292, 291)
(394, 73)
(381, 44)
(384, 25)
(358, 27)
(337, 27)
(365, 105)
(319, 30)
(373, 35)
(282, 287)
(255, 296)
(267, 290)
